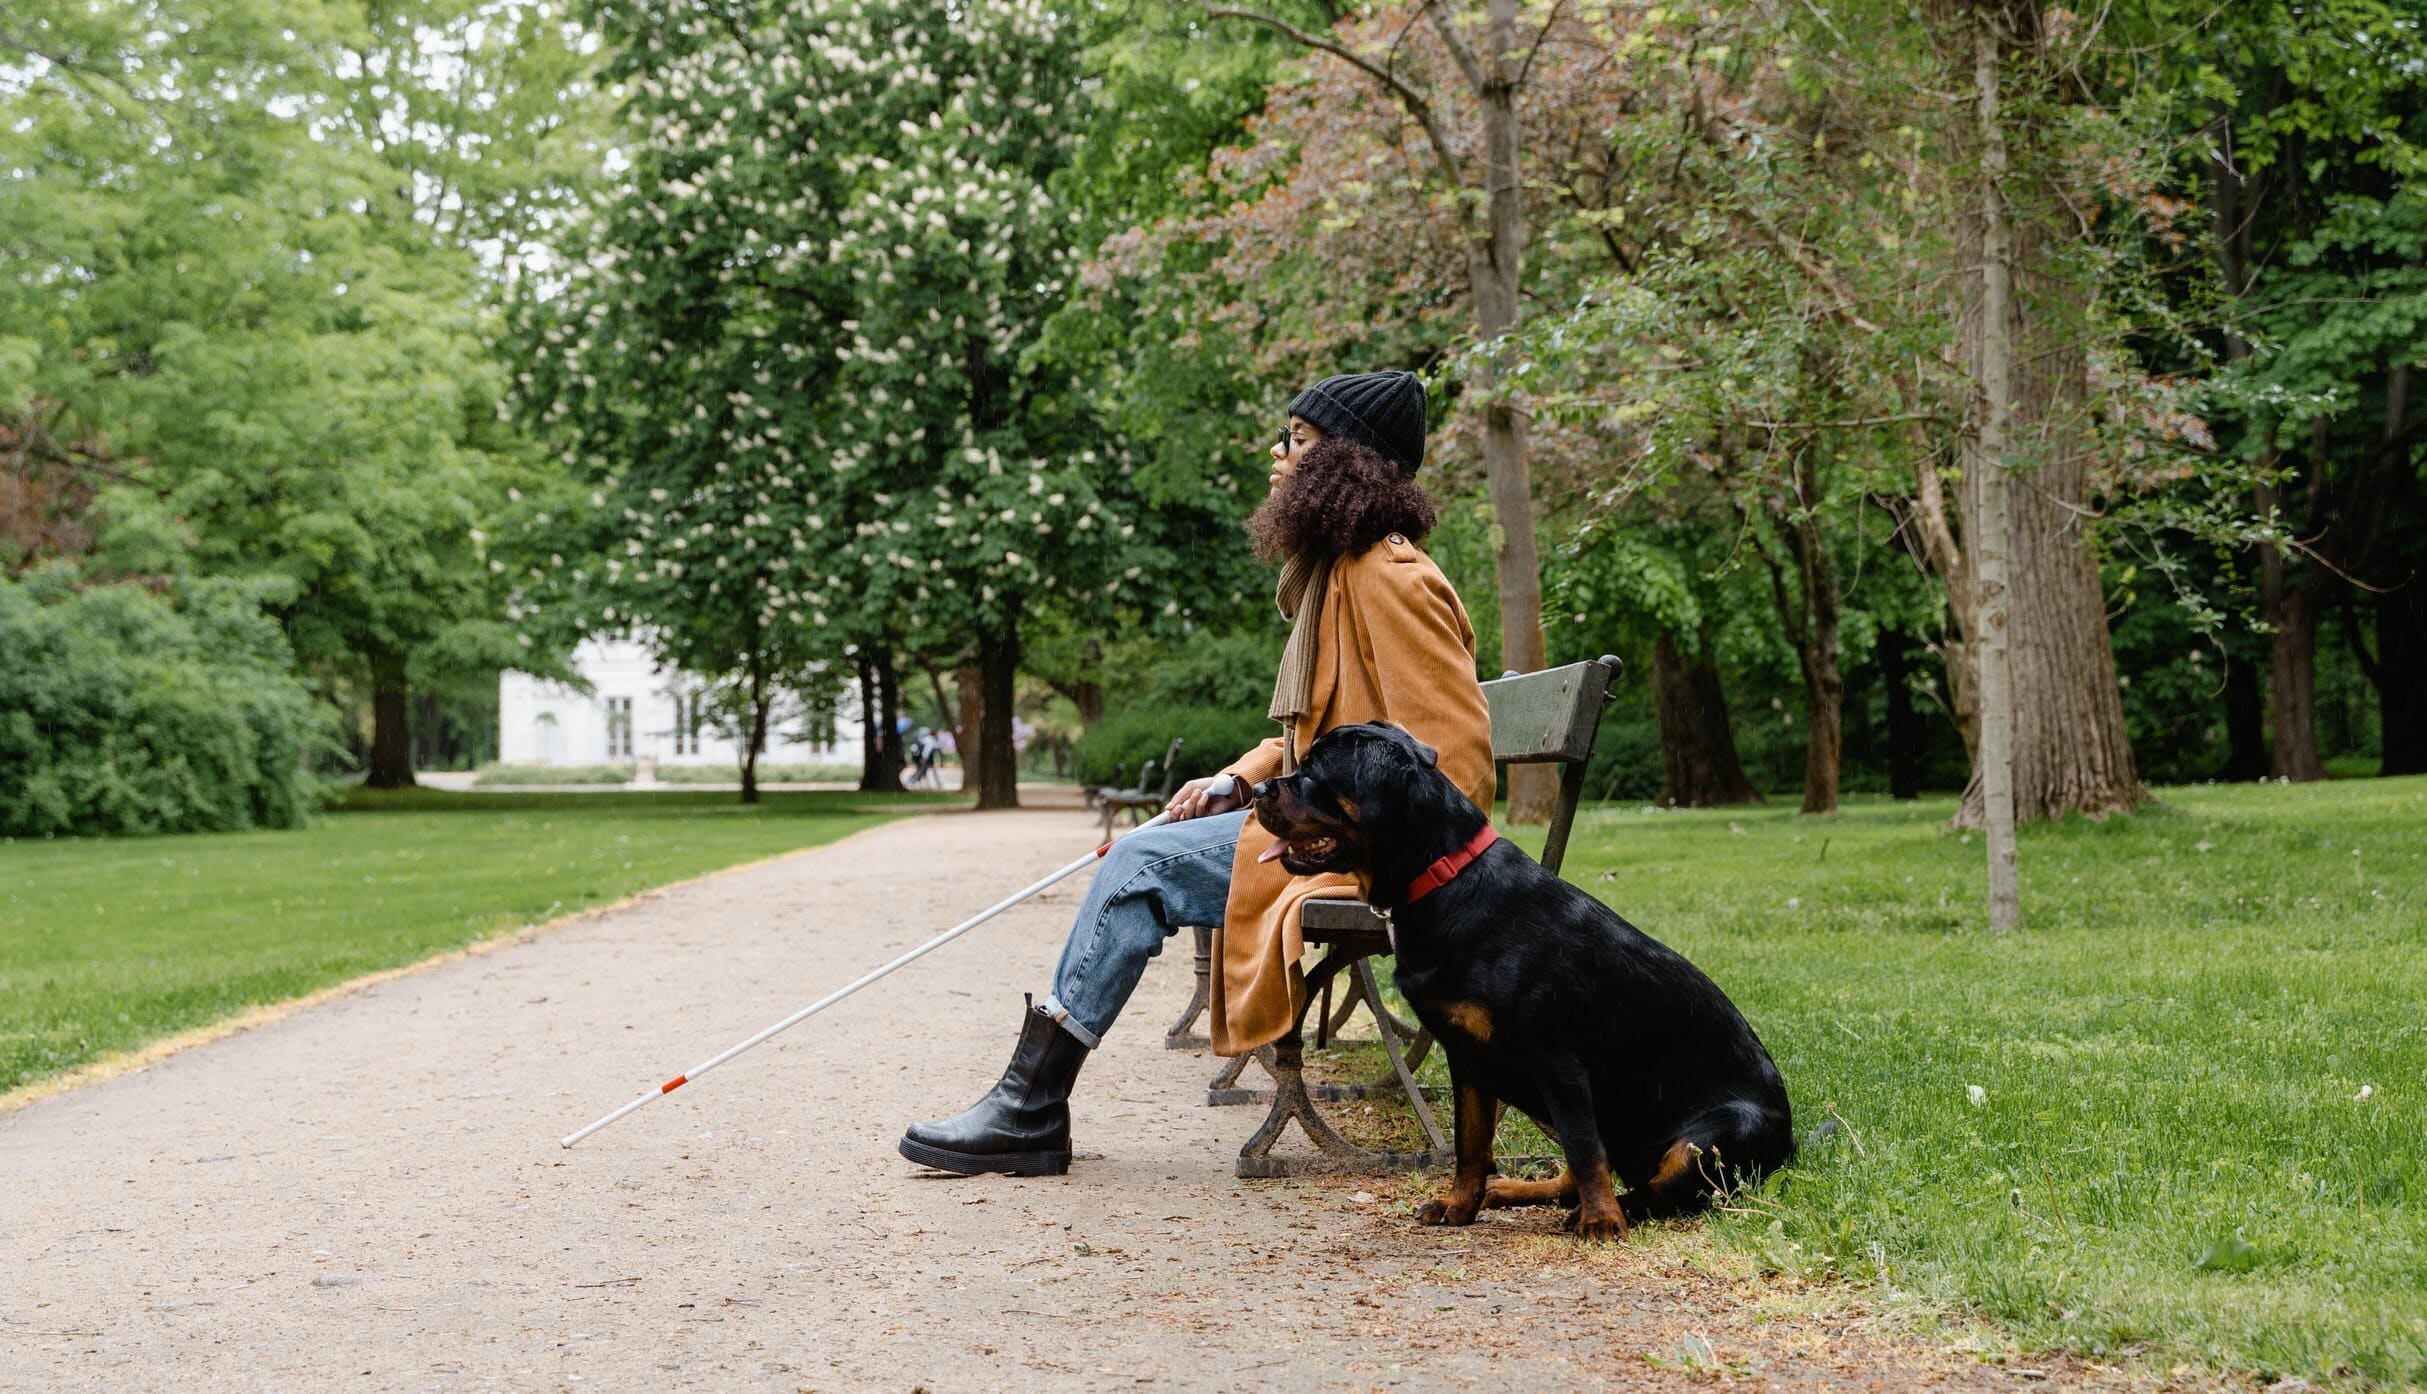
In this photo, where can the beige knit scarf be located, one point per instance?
(1300, 596)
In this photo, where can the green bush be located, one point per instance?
(827, 773)
(124, 712)
(1229, 672)
(1140, 731)
(552, 774)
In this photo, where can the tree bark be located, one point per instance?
(1495, 266)
(1989, 480)
(969, 683)
(1698, 763)
(2245, 722)
(996, 764)
(2400, 674)
(2291, 670)
(889, 752)
(2070, 749)
(870, 753)
(1811, 613)
(880, 743)
(1904, 725)
(754, 743)
(391, 763)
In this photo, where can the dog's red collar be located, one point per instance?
(1446, 870)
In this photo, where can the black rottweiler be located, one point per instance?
(1541, 996)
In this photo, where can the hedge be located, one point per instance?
(123, 711)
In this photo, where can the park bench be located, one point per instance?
(1547, 717)
(1144, 801)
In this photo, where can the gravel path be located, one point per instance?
(368, 1193)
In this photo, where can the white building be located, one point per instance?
(638, 712)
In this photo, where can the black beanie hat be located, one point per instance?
(1383, 410)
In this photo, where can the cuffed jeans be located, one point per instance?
(1151, 883)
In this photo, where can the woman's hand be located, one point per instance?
(1194, 802)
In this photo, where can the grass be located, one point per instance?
(106, 945)
(2167, 1156)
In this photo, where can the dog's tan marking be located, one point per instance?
(1504, 1191)
(1471, 1018)
(1349, 807)
(1675, 1166)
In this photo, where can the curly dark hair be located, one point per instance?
(1341, 499)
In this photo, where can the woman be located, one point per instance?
(1376, 634)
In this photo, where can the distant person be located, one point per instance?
(1377, 634)
(923, 752)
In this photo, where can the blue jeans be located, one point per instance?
(1151, 883)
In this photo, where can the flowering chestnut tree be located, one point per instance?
(785, 355)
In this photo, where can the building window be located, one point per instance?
(619, 728)
(686, 723)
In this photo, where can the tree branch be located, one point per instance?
(1446, 25)
(1408, 97)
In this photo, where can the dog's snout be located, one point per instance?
(1257, 792)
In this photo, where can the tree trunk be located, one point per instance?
(880, 743)
(2070, 751)
(762, 698)
(2292, 671)
(957, 716)
(2245, 722)
(1494, 234)
(391, 764)
(1698, 764)
(1495, 266)
(2400, 673)
(995, 767)
(1989, 481)
(870, 752)
(969, 682)
(1904, 727)
(1811, 614)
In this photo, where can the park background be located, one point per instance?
(1905, 393)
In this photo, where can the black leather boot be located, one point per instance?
(1022, 1126)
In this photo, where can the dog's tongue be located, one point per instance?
(1272, 853)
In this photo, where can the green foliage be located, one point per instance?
(246, 324)
(767, 774)
(1212, 737)
(1233, 672)
(105, 946)
(126, 712)
(553, 774)
(787, 357)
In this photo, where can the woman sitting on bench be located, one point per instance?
(1376, 634)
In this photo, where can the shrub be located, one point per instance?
(1140, 731)
(813, 773)
(552, 774)
(123, 712)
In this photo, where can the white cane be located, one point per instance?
(840, 993)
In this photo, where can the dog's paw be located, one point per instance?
(1596, 1229)
(1446, 1211)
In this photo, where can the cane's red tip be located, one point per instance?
(1100, 851)
(673, 1084)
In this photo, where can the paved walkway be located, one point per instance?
(368, 1194)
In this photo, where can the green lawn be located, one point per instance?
(2168, 1052)
(108, 944)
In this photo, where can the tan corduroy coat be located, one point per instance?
(1394, 644)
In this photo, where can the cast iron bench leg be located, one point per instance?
(1177, 1037)
(1293, 1098)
